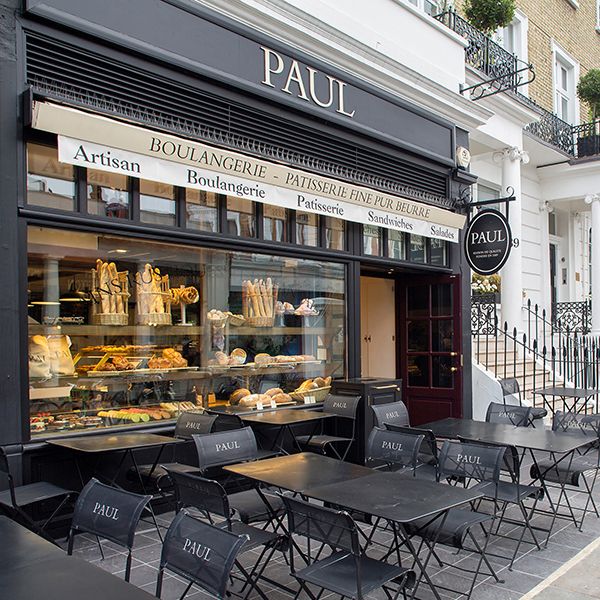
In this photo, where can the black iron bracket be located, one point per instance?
(501, 83)
(465, 202)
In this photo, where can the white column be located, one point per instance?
(546, 208)
(512, 272)
(594, 201)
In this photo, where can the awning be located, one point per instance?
(97, 142)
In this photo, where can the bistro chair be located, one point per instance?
(347, 570)
(188, 423)
(504, 493)
(394, 413)
(427, 465)
(216, 450)
(210, 498)
(343, 408)
(394, 450)
(110, 513)
(578, 472)
(18, 498)
(469, 464)
(202, 554)
(519, 416)
(511, 395)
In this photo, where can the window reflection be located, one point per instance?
(108, 194)
(50, 184)
(157, 203)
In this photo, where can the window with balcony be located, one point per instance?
(428, 6)
(566, 74)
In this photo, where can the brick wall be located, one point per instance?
(573, 29)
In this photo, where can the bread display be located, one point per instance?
(236, 396)
(184, 295)
(274, 392)
(259, 299)
(153, 297)
(237, 356)
(253, 399)
(110, 294)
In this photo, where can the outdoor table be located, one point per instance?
(285, 420)
(400, 501)
(299, 472)
(560, 445)
(33, 568)
(564, 393)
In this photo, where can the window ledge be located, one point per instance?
(573, 3)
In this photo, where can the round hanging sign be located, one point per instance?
(488, 241)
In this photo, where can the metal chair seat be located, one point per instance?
(337, 573)
(158, 475)
(250, 507)
(256, 537)
(453, 531)
(565, 472)
(507, 491)
(423, 471)
(321, 441)
(26, 495)
(538, 413)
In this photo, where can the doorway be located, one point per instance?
(378, 327)
(553, 276)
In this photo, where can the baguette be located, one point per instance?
(245, 299)
(115, 288)
(105, 293)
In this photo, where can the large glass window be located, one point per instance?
(201, 210)
(50, 184)
(372, 240)
(275, 223)
(157, 203)
(108, 194)
(241, 219)
(335, 233)
(307, 229)
(124, 331)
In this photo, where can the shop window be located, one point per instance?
(396, 244)
(335, 233)
(417, 249)
(241, 217)
(50, 184)
(108, 194)
(124, 331)
(275, 223)
(438, 252)
(201, 210)
(157, 203)
(307, 229)
(372, 240)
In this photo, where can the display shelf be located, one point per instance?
(170, 330)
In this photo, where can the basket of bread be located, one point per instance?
(317, 388)
(244, 397)
(153, 297)
(110, 295)
(259, 299)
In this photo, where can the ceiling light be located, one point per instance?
(45, 303)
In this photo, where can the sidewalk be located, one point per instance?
(579, 578)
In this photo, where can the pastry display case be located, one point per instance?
(125, 332)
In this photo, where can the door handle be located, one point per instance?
(369, 339)
(453, 369)
(453, 353)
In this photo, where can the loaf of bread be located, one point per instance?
(273, 392)
(236, 396)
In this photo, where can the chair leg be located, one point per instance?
(128, 566)
(100, 547)
(70, 540)
(159, 582)
(187, 589)
(51, 517)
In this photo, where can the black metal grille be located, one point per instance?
(64, 72)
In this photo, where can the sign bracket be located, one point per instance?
(465, 202)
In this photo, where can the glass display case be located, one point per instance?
(127, 332)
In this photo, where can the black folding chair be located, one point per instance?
(394, 450)
(505, 493)
(427, 465)
(210, 498)
(468, 464)
(216, 450)
(200, 553)
(18, 498)
(188, 424)
(511, 395)
(578, 472)
(109, 513)
(347, 570)
(394, 413)
(343, 408)
(519, 416)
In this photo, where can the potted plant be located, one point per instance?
(588, 90)
(486, 285)
(489, 15)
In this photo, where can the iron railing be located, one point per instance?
(483, 313)
(495, 62)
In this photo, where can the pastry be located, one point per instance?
(282, 398)
(327, 381)
(263, 359)
(177, 361)
(221, 358)
(238, 355)
(273, 392)
(236, 396)
(320, 381)
(306, 308)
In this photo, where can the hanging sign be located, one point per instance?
(488, 241)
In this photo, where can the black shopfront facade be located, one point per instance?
(324, 295)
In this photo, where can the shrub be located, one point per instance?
(588, 90)
(489, 15)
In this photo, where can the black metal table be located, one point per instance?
(284, 421)
(568, 393)
(32, 568)
(398, 500)
(560, 445)
(299, 472)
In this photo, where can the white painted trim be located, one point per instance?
(574, 3)
(558, 52)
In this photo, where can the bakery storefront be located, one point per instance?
(194, 243)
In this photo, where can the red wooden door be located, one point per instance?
(431, 352)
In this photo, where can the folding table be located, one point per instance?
(561, 446)
(400, 501)
(285, 420)
(564, 393)
(32, 568)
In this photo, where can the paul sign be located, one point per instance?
(488, 241)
